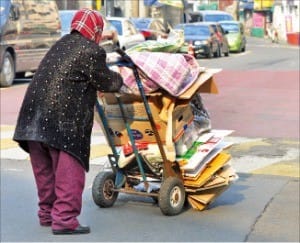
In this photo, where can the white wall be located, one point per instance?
(280, 15)
(85, 4)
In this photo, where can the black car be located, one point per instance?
(201, 38)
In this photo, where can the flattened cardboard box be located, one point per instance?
(211, 168)
(204, 84)
(201, 200)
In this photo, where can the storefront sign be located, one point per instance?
(258, 20)
(263, 4)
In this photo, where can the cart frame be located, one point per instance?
(171, 195)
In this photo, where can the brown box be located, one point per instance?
(142, 130)
(182, 117)
(134, 109)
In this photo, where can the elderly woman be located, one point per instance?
(56, 118)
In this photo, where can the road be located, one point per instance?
(258, 98)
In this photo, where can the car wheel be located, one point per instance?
(227, 52)
(218, 52)
(7, 73)
(209, 54)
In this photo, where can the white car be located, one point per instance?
(128, 34)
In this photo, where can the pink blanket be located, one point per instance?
(172, 72)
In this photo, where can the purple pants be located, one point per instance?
(60, 182)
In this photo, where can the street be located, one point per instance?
(258, 99)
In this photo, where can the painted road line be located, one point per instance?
(7, 143)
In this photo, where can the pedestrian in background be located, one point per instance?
(56, 119)
(272, 33)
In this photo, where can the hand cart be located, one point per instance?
(171, 195)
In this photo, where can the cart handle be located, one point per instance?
(124, 55)
(168, 169)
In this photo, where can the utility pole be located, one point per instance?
(109, 8)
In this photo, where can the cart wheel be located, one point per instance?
(102, 189)
(171, 196)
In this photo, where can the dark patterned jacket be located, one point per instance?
(58, 107)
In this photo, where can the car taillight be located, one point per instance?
(146, 33)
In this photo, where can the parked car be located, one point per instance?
(223, 41)
(201, 37)
(235, 35)
(128, 35)
(27, 30)
(109, 35)
(66, 17)
(151, 28)
(209, 16)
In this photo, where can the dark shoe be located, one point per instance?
(79, 230)
(46, 224)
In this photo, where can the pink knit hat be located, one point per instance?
(88, 22)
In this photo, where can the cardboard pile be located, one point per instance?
(206, 169)
(181, 114)
(204, 165)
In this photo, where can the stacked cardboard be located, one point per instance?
(206, 169)
(204, 165)
(137, 116)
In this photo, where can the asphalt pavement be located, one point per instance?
(255, 208)
(261, 206)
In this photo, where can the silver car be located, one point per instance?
(128, 35)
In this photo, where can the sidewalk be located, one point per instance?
(11, 150)
(267, 40)
(249, 155)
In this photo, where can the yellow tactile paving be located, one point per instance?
(4, 128)
(280, 168)
(7, 143)
(287, 168)
(250, 144)
(99, 150)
